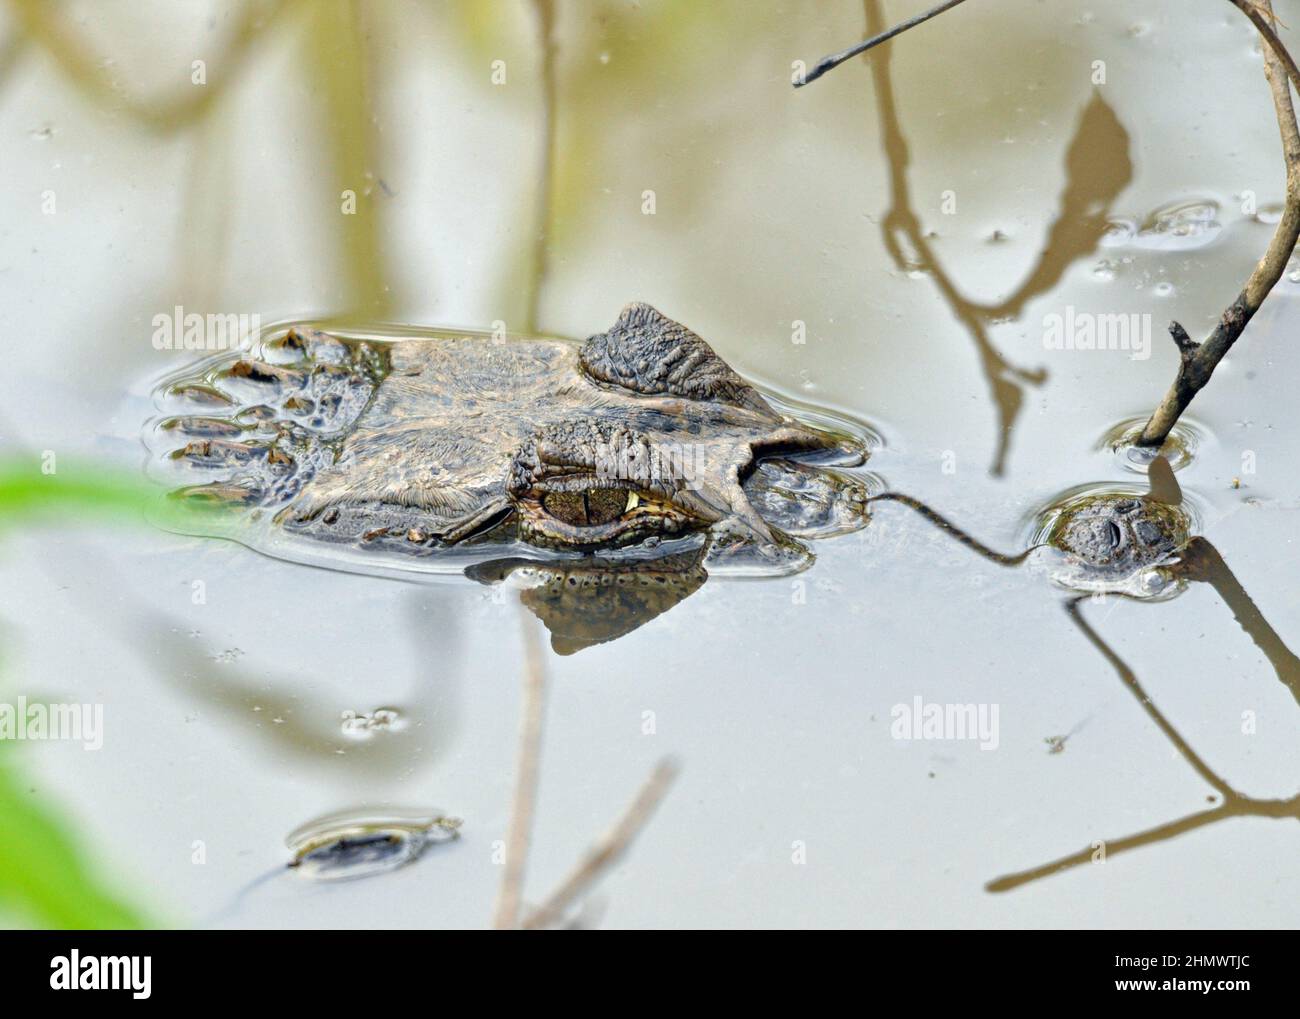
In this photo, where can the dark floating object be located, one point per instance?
(360, 843)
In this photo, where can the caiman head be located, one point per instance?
(1111, 536)
(672, 444)
(618, 446)
(639, 435)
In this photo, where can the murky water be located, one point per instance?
(923, 242)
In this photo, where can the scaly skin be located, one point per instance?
(640, 433)
(1114, 536)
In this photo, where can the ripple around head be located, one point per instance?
(1155, 582)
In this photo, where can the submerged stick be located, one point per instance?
(607, 849)
(835, 59)
(1197, 361)
(525, 796)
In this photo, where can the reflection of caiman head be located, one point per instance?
(591, 601)
(640, 434)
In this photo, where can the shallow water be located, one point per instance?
(1020, 191)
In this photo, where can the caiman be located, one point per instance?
(638, 445)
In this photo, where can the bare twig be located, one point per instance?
(606, 850)
(1197, 361)
(835, 59)
(525, 797)
(944, 524)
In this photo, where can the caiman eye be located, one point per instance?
(590, 508)
(606, 504)
(570, 507)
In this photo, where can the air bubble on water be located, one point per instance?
(1180, 226)
(362, 725)
(1118, 233)
(1163, 289)
(604, 58)
(1154, 581)
(1105, 270)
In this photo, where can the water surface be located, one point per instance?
(915, 221)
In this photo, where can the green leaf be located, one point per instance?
(44, 877)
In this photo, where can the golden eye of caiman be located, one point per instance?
(590, 508)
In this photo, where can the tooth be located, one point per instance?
(633, 500)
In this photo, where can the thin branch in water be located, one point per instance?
(944, 524)
(524, 802)
(835, 59)
(607, 849)
(1197, 361)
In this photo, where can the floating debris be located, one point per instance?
(364, 724)
(360, 843)
(1178, 226)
